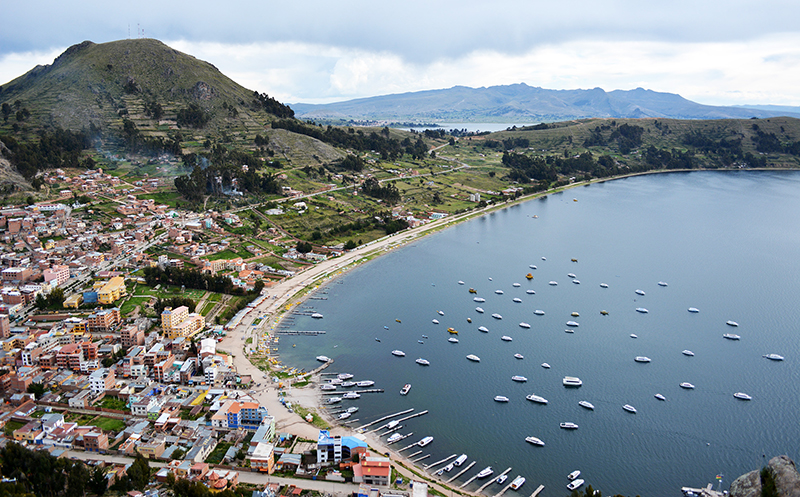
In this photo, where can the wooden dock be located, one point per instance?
(492, 480)
(500, 493)
(387, 417)
(340, 392)
(420, 458)
(536, 492)
(440, 462)
(462, 471)
(415, 453)
(281, 331)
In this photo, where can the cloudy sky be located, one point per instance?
(710, 51)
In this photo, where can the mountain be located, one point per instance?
(523, 103)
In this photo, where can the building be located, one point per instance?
(246, 415)
(56, 275)
(105, 320)
(131, 335)
(179, 322)
(5, 326)
(373, 471)
(112, 291)
(334, 449)
(95, 441)
(73, 301)
(101, 380)
(70, 357)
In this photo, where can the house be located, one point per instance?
(263, 457)
(373, 471)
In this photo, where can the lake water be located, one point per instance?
(726, 243)
(473, 127)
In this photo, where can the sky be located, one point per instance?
(710, 51)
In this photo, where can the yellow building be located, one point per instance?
(73, 301)
(112, 291)
(179, 322)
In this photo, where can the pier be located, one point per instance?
(420, 458)
(402, 438)
(415, 453)
(538, 489)
(461, 472)
(296, 332)
(500, 493)
(492, 480)
(440, 462)
(340, 392)
(387, 417)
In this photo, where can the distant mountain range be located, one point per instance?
(528, 104)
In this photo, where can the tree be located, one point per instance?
(6, 110)
(36, 389)
(350, 245)
(139, 473)
(170, 481)
(77, 478)
(304, 247)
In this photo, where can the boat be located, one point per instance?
(529, 276)
(534, 441)
(732, 323)
(544, 258)
(479, 309)
(500, 398)
(398, 320)
(425, 337)
(499, 292)
(323, 358)
(603, 285)
(568, 425)
(497, 316)
(539, 312)
(448, 468)
(452, 340)
(479, 299)
(351, 395)
(461, 460)
(385, 327)
(629, 408)
(571, 275)
(572, 381)
(524, 325)
(472, 290)
(694, 309)
(452, 331)
(328, 386)
(774, 357)
(604, 312)
(365, 383)
(423, 362)
(344, 415)
(441, 313)
(586, 404)
(393, 423)
(575, 314)
(569, 330)
(641, 358)
(731, 336)
(577, 282)
(469, 320)
(474, 358)
(335, 381)
(687, 385)
(420, 341)
(501, 479)
(517, 300)
(394, 438)
(349, 384)
(633, 335)
(505, 338)
(532, 266)
(530, 292)
(573, 324)
(351, 410)
(460, 282)
(317, 315)
(516, 285)
(483, 329)
(398, 353)
(519, 378)
(553, 283)
(575, 484)
(425, 441)
(377, 339)
(639, 292)
(536, 398)
(545, 365)
(662, 283)
(573, 475)
(518, 482)
(519, 356)
(333, 400)
(659, 396)
(642, 310)
(742, 396)
(485, 472)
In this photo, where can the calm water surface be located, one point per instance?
(726, 243)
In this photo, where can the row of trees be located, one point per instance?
(136, 142)
(389, 148)
(389, 192)
(59, 148)
(272, 106)
(191, 278)
(174, 302)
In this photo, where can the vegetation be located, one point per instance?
(56, 149)
(41, 474)
(173, 302)
(768, 488)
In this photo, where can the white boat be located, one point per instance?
(731, 336)
(641, 358)
(640, 292)
(629, 408)
(344, 415)
(569, 330)
(577, 282)
(742, 396)
(534, 441)
(516, 285)
(461, 460)
(500, 398)
(575, 484)
(732, 323)
(553, 283)
(774, 357)
(603, 285)
(398, 353)
(499, 292)
(571, 275)
(333, 400)
(483, 329)
(530, 292)
(517, 300)
(349, 384)
(545, 365)
(568, 426)
(633, 335)
(336, 381)
(328, 386)
(536, 398)
(662, 283)
(344, 376)
(317, 315)
(659, 396)
(544, 258)
(687, 385)
(460, 282)
(391, 424)
(423, 362)
(351, 395)
(501, 479)
(519, 378)
(572, 381)
(435, 321)
(394, 438)
(485, 472)
(441, 313)
(688, 352)
(425, 441)
(323, 358)
(539, 312)
(351, 410)
(586, 404)
(480, 309)
(694, 309)
(365, 383)
(479, 299)
(405, 389)
(519, 356)
(474, 358)
(642, 310)
(497, 316)
(505, 338)
(518, 482)
(573, 475)
(573, 324)
(449, 467)
(575, 314)
(452, 340)
(524, 325)
(532, 266)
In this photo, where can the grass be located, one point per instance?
(317, 421)
(11, 426)
(109, 424)
(113, 403)
(207, 308)
(218, 453)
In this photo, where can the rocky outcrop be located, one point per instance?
(787, 480)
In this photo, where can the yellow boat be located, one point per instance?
(452, 331)
(529, 276)
(575, 314)
(397, 320)
(604, 313)
(469, 320)
(472, 290)
(574, 260)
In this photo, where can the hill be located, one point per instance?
(523, 103)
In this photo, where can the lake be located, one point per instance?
(726, 243)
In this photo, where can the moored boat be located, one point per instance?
(497, 316)
(472, 290)
(604, 312)
(485, 472)
(351, 395)
(394, 438)
(501, 479)
(742, 396)
(333, 400)
(536, 398)
(435, 321)
(479, 299)
(731, 336)
(505, 338)
(532, 266)
(519, 356)
(328, 386)
(423, 362)
(349, 384)
(398, 353)
(405, 389)
(694, 309)
(571, 275)
(519, 378)
(603, 285)
(586, 404)
(461, 460)
(530, 292)
(474, 358)
(524, 325)
(732, 323)
(344, 415)
(545, 365)
(499, 292)
(323, 358)
(634, 335)
(534, 441)
(642, 310)
(452, 331)
(441, 313)
(516, 285)
(452, 340)
(573, 475)
(659, 396)
(518, 482)
(687, 385)
(365, 383)
(573, 324)
(688, 352)
(662, 283)
(575, 314)
(351, 410)
(480, 309)
(568, 425)
(553, 283)
(529, 276)
(774, 357)
(539, 312)
(517, 300)
(629, 408)
(639, 292)
(460, 282)
(425, 441)
(575, 484)
(641, 358)
(483, 329)
(500, 398)
(577, 282)
(317, 315)
(571, 381)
